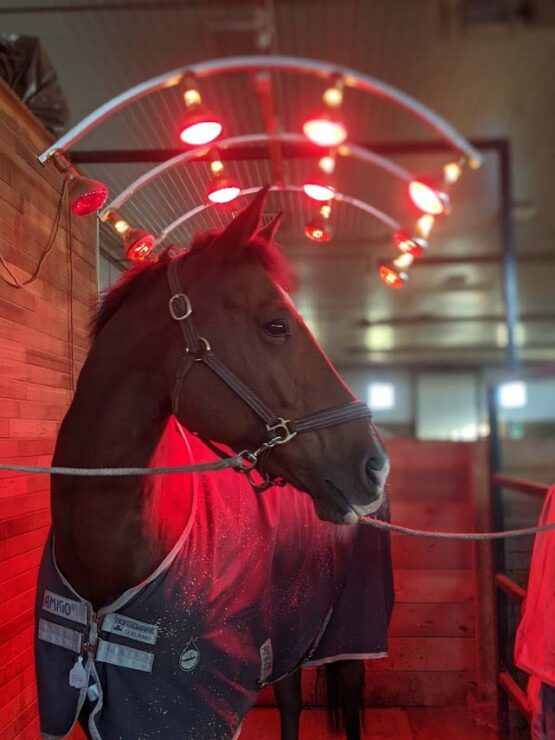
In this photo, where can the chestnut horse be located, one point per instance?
(164, 604)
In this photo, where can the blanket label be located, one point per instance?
(76, 611)
(117, 624)
(126, 657)
(266, 660)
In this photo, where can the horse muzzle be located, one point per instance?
(347, 501)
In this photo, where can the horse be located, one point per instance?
(165, 602)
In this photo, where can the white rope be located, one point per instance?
(235, 462)
(527, 531)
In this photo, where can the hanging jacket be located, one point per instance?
(535, 639)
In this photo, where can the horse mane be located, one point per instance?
(256, 251)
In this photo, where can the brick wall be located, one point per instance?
(37, 365)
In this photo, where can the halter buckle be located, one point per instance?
(179, 298)
(281, 431)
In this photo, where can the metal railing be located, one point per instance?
(507, 591)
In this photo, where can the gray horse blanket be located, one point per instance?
(255, 587)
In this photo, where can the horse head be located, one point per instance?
(236, 287)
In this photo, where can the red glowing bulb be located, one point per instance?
(223, 189)
(200, 126)
(317, 230)
(319, 192)
(138, 244)
(325, 131)
(86, 196)
(319, 187)
(392, 277)
(427, 198)
(414, 245)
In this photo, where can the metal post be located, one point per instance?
(508, 258)
(498, 523)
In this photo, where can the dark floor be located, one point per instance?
(437, 723)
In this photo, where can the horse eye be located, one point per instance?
(277, 328)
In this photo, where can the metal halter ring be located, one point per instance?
(199, 355)
(249, 461)
(284, 434)
(178, 297)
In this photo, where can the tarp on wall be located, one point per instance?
(26, 67)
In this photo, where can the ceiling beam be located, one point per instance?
(95, 7)
(290, 151)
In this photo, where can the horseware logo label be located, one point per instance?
(130, 628)
(190, 657)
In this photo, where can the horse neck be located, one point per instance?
(109, 533)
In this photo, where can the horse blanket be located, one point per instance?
(255, 587)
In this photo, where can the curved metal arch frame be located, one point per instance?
(385, 218)
(352, 79)
(345, 150)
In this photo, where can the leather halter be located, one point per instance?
(280, 430)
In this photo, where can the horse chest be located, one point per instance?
(104, 549)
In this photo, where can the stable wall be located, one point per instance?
(43, 341)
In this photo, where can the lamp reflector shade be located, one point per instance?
(427, 199)
(319, 187)
(223, 189)
(86, 196)
(318, 230)
(324, 130)
(138, 244)
(414, 245)
(200, 126)
(392, 277)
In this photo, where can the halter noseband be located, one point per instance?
(281, 431)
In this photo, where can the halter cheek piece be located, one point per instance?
(280, 431)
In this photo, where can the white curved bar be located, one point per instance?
(375, 212)
(370, 210)
(350, 150)
(322, 69)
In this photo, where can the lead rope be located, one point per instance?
(509, 533)
(238, 462)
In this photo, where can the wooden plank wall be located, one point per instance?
(35, 381)
(432, 644)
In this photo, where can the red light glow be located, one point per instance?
(319, 191)
(138, 244)
(413, 245)
(200, 126)
(325, 131)
(223, 190)
(392, 277)
(317, 230)
(427, 198)
(86, 196)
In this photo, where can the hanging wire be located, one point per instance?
(14, 282)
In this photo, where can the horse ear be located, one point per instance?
(244, 225)
(268, 232)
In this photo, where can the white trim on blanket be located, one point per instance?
(346, 656)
